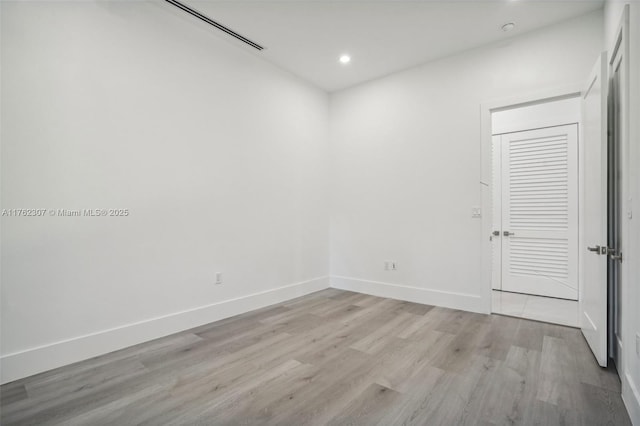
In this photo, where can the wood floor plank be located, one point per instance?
(12, 393)
(467, 392)
(602, 406)
(369, 300)
(451, 321)
(334, 293)
(229, 330)
(204, 407)
(451, 398)
(62, 407)
(405, 357)
(411, 407)
(307, 302)
(379, 338)
(340, 377)
(301, 323)
(342, 313)
(349, 296)
(467, 343)
(513, 388)
(542, 413)
(259, 406)
(110, 413)
(498, 340)
(424, 323)
(530, 335)
(414, 308)
(589, 371)
(367, 407)
(99, 376)
(333, 357)
(559, 382)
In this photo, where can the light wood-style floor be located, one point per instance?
(334, 357)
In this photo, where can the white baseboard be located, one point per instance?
(631, 399)
(25, 363)
(446, 299)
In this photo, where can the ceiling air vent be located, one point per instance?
(210, 21)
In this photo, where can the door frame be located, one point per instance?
(620, 46)
(486, 109)
(627, 32)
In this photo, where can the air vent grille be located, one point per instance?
(210, 21)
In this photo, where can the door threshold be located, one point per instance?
(534, 295)
(536, 320)
(544, 309)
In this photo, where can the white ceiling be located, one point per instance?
(382, 37)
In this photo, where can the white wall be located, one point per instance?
(631, 267)
(220, 158)
(406, 163)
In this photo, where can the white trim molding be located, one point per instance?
(486, 108)
(631, 399)
(446, 299)
(31, 361)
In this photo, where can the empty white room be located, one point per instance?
(312, 212)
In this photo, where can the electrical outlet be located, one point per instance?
(394, 265)
(386, 265)
(218, 278)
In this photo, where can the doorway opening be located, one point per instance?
(535, 211)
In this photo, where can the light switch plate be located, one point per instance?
(476, 212)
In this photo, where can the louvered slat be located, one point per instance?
(538, 188)
(531, 175)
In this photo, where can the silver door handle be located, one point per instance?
(614, 255)
(507, 233)
(595, 249)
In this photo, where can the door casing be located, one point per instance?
(486, 109)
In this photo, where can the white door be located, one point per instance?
(594, 292)
(618, 190)
(539, 194)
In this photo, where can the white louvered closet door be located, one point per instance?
(540, 211)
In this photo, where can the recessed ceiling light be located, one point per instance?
(345, 59)
(508, 27)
